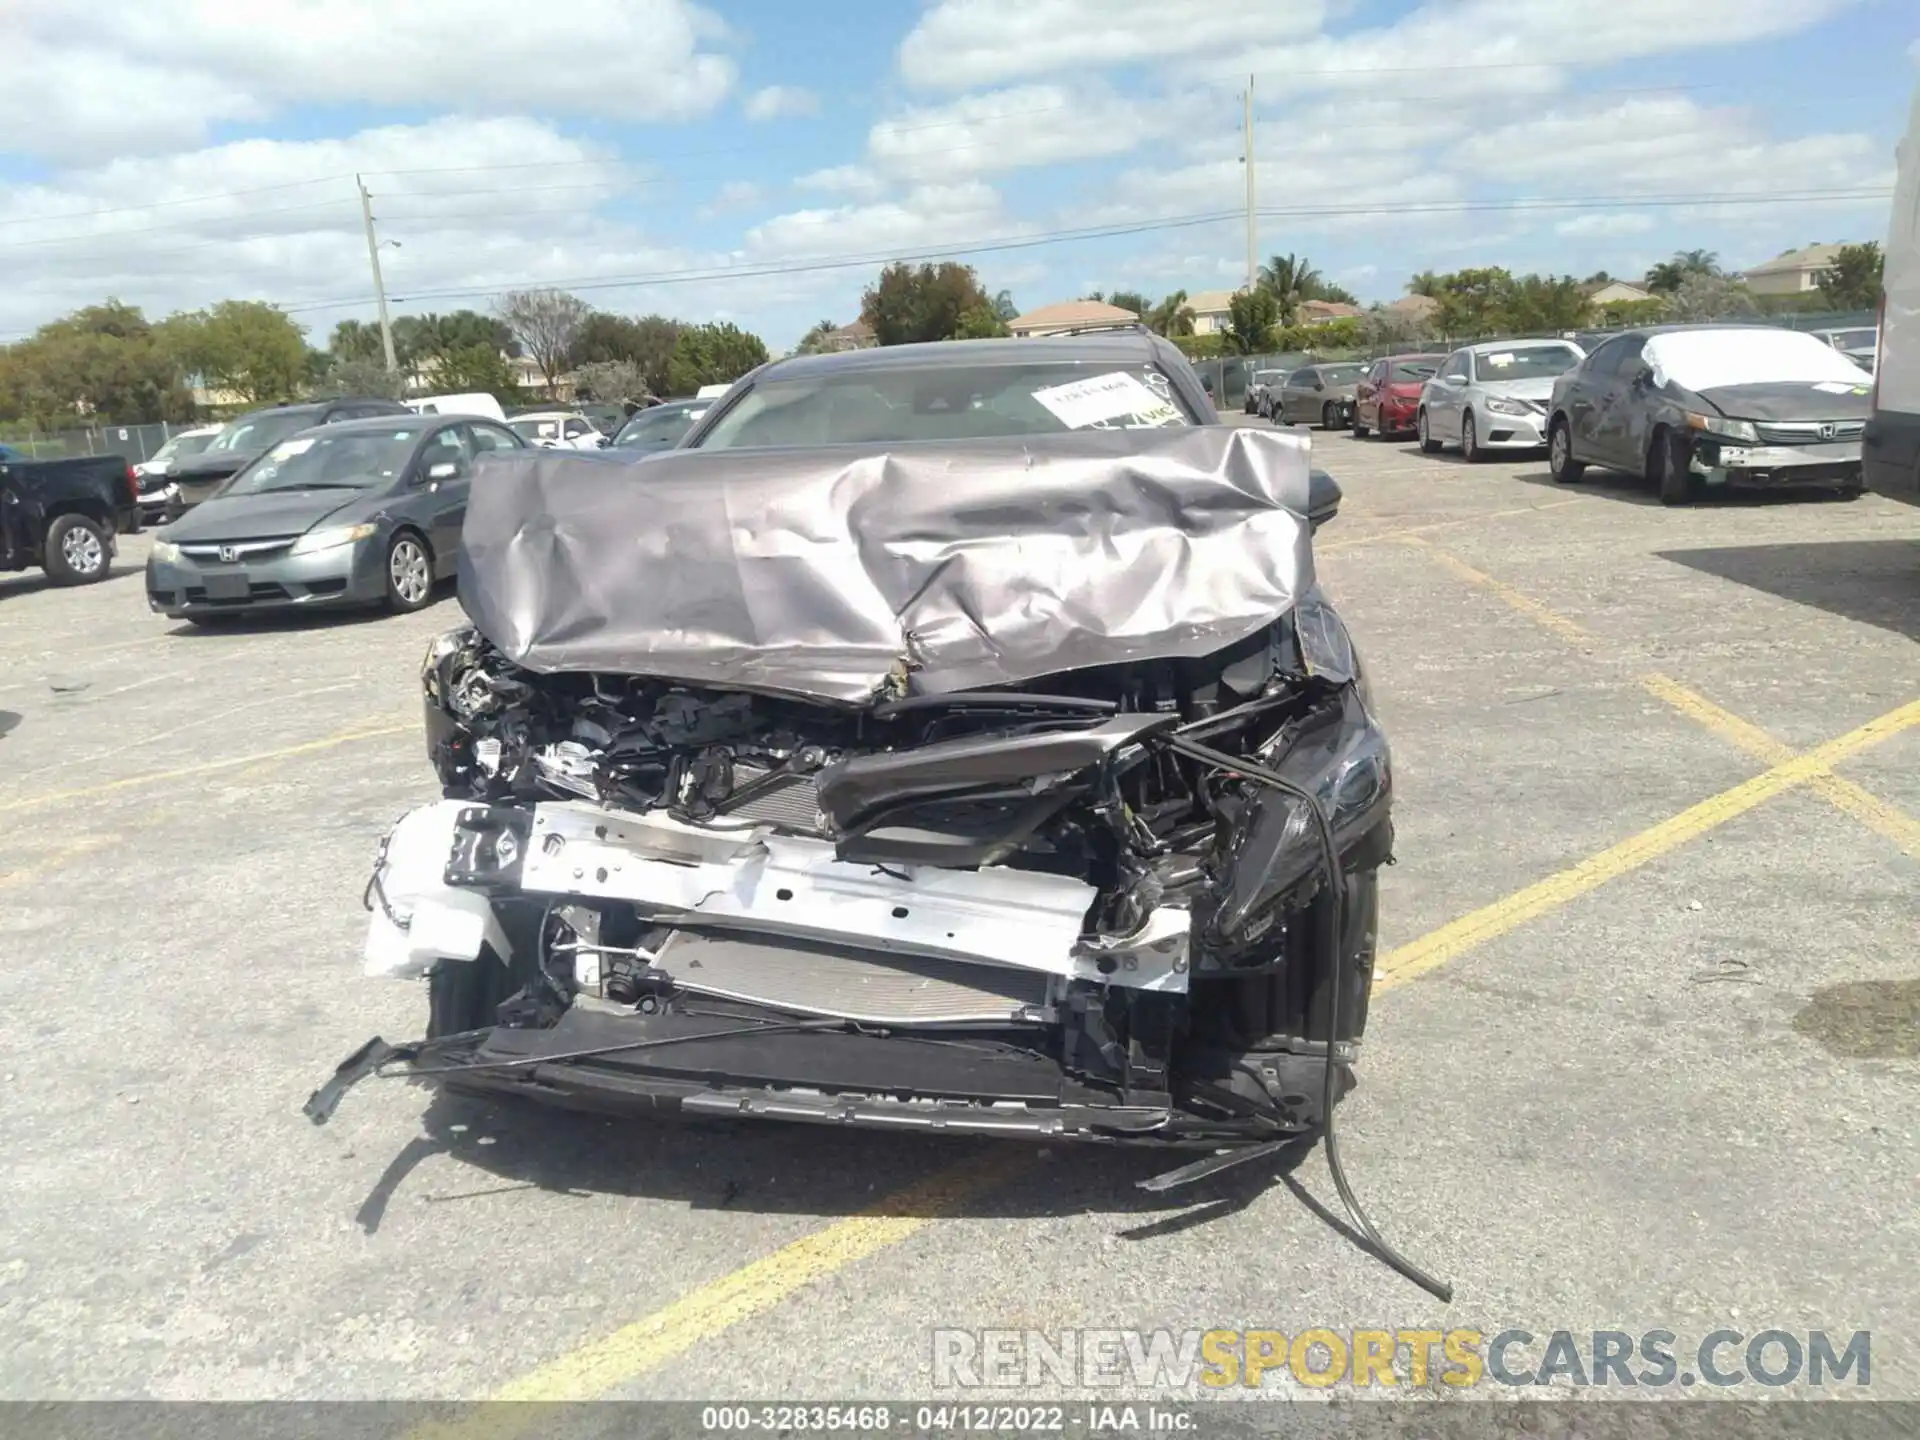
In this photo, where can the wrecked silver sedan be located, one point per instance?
(988, 785)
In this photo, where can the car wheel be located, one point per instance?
(1675, 479)
(1427, 442)
(78, 551)
(1850, 492)
(409, 572)
(1329, 416)
(1566, 469)
(1469, 440)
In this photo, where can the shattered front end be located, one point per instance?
(782, 879)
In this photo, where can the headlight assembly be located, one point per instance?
(1741, 430)
(331, 538)
(1501, 405)
(165, 551)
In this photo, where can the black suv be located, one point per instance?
(253, 434)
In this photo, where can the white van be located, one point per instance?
(1890, 452)
(479, 403)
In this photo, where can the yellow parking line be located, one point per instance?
(1566, 629)
(1410, 531)
(206, 767)
(603, 1366)
(1490, 921)
(1884, 819)
(1869, 809)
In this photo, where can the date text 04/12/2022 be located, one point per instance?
(956, 1418)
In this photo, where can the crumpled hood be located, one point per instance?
(835, 573)
(1533, 387)
(1829, 400)
(254, 517)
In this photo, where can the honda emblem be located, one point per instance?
(229, 552)
(1826, 432)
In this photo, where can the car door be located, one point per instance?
(442, 481)
(1612, 397)
(1298, 397)
(1444, 396)
(1366, 395)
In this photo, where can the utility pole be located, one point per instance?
(379, 286)
(1253, 232)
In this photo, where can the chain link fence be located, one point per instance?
(133, 442)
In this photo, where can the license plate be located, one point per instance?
(232, 585)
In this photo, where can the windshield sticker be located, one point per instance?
(1504, 357)
(1162, 386)
(287, 449)
(1102, 399)
(1840, 387)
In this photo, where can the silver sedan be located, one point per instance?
(1493, 396)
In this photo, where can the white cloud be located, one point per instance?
(166, 247)
(842, 179)
(772, 102)
(92, 78)
(962, 43)
(1606, 222)
(1009, 129)
(927, 215)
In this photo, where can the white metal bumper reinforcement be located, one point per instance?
(758, 882)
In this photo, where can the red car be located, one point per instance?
(1386, 401)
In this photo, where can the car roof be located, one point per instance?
(545, 415)
(1488, 347)
(374, 424)
(1117, 347)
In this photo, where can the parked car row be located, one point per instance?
(1690, 408)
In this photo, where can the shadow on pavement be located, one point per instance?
(1876, 582)
(776, 1168)
(1633, 490)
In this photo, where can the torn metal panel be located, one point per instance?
(835, 573)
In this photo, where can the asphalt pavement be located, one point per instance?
(1643, 1054)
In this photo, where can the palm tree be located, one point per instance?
(1425, 283)
(811, 342)
(1290, 279)
(1172, 316)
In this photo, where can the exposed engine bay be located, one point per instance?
(1020, 909)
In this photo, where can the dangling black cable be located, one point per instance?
(1337, 893)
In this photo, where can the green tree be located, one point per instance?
(247, 346)
(1669, 275)
(1252, 315)
(1292, 280)
(1425, 283)
(1854, 280)
(360, 375)
(909, 304)
(1472, 301)
(712, 355)
(472, 370)
(1539, 302)
(646, 342)
(355, 340)
(1172, 317)
(980, 322)
(104, 361)
(1710, 297)
(1003, 305)
(1201, 347)
(815, 340)
(1131, 300)
(611, 382)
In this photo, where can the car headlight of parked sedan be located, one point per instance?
(165, 551)
(332, 537)
(1501, 405)
(1725, 429)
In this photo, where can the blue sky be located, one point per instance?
(710, 160)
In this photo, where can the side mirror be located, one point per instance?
(443, 470)
(1643, 378)
(1323, 498)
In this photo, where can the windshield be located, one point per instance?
(660, 427)
(1852, 339)
(1342, 374)
(257, 432)
(1756, 355)
(946, 402)
(354, 461)
(1536, 362)
(181, 447)
(1415, 369)
(539, 428)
